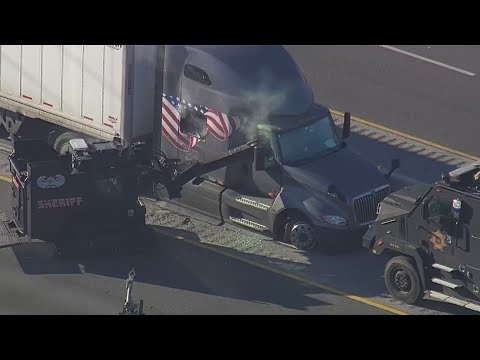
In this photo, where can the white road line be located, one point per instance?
(428, 60)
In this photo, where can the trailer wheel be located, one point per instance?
(402, 280)
(299, 232)
(62, 144)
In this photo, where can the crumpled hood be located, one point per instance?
(351, 174)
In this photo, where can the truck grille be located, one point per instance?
(365, 207)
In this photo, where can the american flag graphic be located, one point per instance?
(221, 126)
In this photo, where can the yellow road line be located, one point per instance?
(5, 178)
(296, 278)
(408, 136)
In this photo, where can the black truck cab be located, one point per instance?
(433, 232)
(299, 182)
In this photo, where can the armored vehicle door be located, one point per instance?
(467, 249)
(435, 226)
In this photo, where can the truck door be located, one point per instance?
(262, 177)
(437, 229)
(467, 249)
(248, 203)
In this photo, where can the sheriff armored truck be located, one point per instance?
(432, 233)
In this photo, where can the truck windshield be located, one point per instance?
(308, 142)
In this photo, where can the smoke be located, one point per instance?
(276, 96)
(262, 102)
(252, 103)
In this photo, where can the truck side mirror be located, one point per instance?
(394, 166)
(346, 125)
(259, 159)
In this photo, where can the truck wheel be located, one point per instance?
(299, 233)
(62, 144)
(402, 280)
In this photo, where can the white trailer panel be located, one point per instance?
(31, 73)
(72, 80)
(10, 64)
(92, 105)
(113, 88)
(52, 76)
(98, 90)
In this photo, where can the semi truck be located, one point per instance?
(236, 129)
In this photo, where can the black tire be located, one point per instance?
(402, 280)
(298, 232)
(61, 143)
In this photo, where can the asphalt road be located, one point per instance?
(428, 92)
(173, 278)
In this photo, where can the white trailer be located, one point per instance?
(97, 90)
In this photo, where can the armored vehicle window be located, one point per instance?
(197, 74)
(439, 210)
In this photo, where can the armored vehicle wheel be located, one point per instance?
(299, 233)
(402, 280)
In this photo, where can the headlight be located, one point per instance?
(335, 220)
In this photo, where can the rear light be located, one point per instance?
(15, 181)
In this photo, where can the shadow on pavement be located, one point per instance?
(171, 263)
